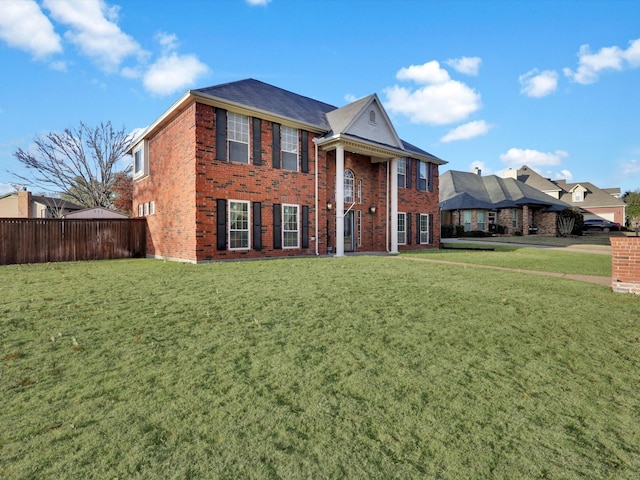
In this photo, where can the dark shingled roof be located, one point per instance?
(262, 96)
(464, 190)
(269, 98)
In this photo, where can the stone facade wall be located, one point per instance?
(625, 269)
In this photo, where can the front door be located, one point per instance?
(349, 228)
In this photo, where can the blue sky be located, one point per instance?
(494, 84)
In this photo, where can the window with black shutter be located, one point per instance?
(221, 224)
(221, 134)
(257, 226)
(276, 145)
(257, 141)
(277, 226)
(305, 226)
(304, 162)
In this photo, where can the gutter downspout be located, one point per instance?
(386, 223)
(315, 144)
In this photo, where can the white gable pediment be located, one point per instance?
(366, 119)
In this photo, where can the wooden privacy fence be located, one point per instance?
(40, 240)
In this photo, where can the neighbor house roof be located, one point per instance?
(468, 191)
(593, 195)
(55, 203)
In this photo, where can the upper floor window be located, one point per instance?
(238, 137)
(349, 179)
(578, 196)
(423, 176)
(140, 160)
(372, 116)
(289, 146)
(402, 173)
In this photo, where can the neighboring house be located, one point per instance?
(493, 204)
(23, 204)
(593, 201)
(95, 213)
(249, 170)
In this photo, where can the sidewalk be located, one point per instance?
(604, 281)
(602, 250)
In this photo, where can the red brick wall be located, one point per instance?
(171, 185)
(24, 204)
(625, 270)
(185, 181)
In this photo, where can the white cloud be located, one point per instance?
(631, 167)
(539, 84)
(350, 97)
(172, 73)
(168, 41)
(517, 157)
(467, 131)
(258, 2)
(93, 29)
(480, 166)
(563, 175)
(24, 26)
(442, 101)
(590, 65)
(466, 65)
(632, 54)
(430, 72)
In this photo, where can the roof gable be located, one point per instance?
(367, 119)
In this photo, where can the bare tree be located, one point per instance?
(80, 163)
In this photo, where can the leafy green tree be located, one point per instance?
(632, 199)
(81, 163)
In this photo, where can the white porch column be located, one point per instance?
(339, 201)
(394, 205)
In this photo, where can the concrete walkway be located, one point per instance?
(604, 281)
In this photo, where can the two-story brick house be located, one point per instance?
(249, 170)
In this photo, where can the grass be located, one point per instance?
(525, 258)
(359, 367)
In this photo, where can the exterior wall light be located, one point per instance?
(372, 209)
(329, 206)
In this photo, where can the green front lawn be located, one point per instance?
(525, 258)
(358, 367)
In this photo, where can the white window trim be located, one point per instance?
(140, 210)
(359, 227)
(359, 192)
(350, 177)
(152, 207)
(424, 215)
(297, 226)
(229, 139)
(296, 149)
(248, 230)
(403, 231)
(402, 172)
(143, 148)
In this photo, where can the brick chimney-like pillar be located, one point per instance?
(24, 204)
(625, 264)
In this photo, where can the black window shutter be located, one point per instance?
(221, 134)
(276, 145)
(305, 226)
(408, 174)
(430, 228)
(305, 152)
(409, 235)
(257, 226)
(430, 176)
(417, 174)
(257, 141)
(418, 228)
(277, 226)
(221, 230)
